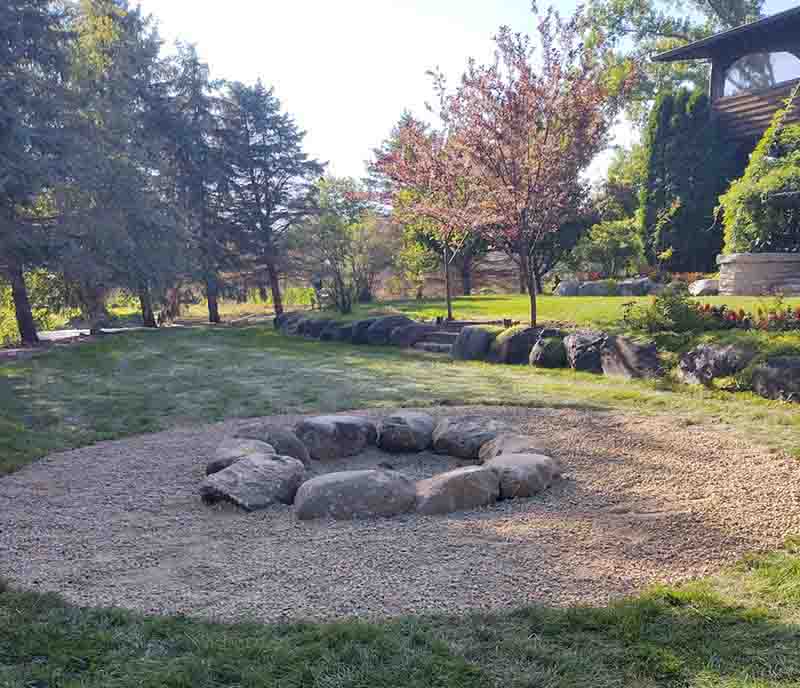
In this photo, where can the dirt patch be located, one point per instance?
(645, 500)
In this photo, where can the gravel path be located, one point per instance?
(645, 500)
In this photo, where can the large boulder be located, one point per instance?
(407, 431)
(255, 482)
(598, 288)
(355, 494)
(358, 333)
(473, 343)
(584, 351)
(708, 361)
(549, 352)
(513, 346)
(461, 489)
(315, 326)
(627, 358)
(523, 475)
(778, 378)
(332, 332)
(463, 437)
(288, 323)
(233, 449)
(704, 287)
(507, 443)
(409, 334)
(284, 441)
(568, 288)
(640, 286)
(334, 437)
(378, 333)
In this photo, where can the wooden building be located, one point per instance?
(754, 68)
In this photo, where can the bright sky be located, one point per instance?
(347, 69)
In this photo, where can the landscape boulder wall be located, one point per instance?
(461, 489)
(624, 357)
(778, 378)
(336, 332)
(523, 475)
(407, 335)
(568, 288)
(473, 343)
(641, 286)
(706, 362)
(508, 444)
(514, 345)
(378, 332)
(464, 437)
(255, 482)
(406, 432)
(549, 352)
(355, 494)
(315, 326)
(359, 330)
(233, 449)
(584, 351)
(599, 288)
(758, 274)
(335, 437)
(285, 442)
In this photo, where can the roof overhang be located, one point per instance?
(756, 35)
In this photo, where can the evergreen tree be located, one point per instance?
(688, 166)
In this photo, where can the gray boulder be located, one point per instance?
(506, 443)
(473, 343)
(462, 489)
(523, 475)
(778, 378)
(624, 357)
(355, 494)
(407, 431)
(568, 288)
(639, 286)
(549, 352)
(708, 361)
(513, 346)
(285, 442)
(358, 333)
(233, 449)
(704, 287)
(584, 351)
(255, 482)
(598, 288)
(283, 320)
(407, 335)
(334, 437)
(315, 326)
(378, 333)
(463, 437)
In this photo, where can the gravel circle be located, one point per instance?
(645, 500)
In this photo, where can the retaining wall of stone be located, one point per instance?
(758, 274)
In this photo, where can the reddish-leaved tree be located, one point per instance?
(529, 125)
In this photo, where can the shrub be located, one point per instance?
(670, 311)
(757, 217)
(617, 246)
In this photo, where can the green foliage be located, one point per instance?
(615, 245)
(49, 300)
(688, 166)
(670, 311)
(757, 218)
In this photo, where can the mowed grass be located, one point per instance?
(739, 630)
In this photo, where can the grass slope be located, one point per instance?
(147, 381)
(706, 634)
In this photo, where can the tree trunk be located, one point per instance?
(22, 307)
(275, 286)
(212, 294)
(447, 291)
(148, 316)
(522, 288)
(530, 283)
(466, 275)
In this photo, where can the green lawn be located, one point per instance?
(739, 630)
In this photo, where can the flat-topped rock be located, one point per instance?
(379, 332)
(334, 437)
(232, 449)
(462, 489)
(506, 443)
(284, 441)
(407, 431)
(355, 494)
(523, 475)
(473, 343)
(463, 437)
(255, 482)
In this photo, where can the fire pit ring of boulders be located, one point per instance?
(256, 470)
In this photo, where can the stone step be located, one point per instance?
(441, 337)
(434, 347)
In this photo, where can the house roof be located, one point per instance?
(753, 33)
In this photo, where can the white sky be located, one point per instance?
(346, 69)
